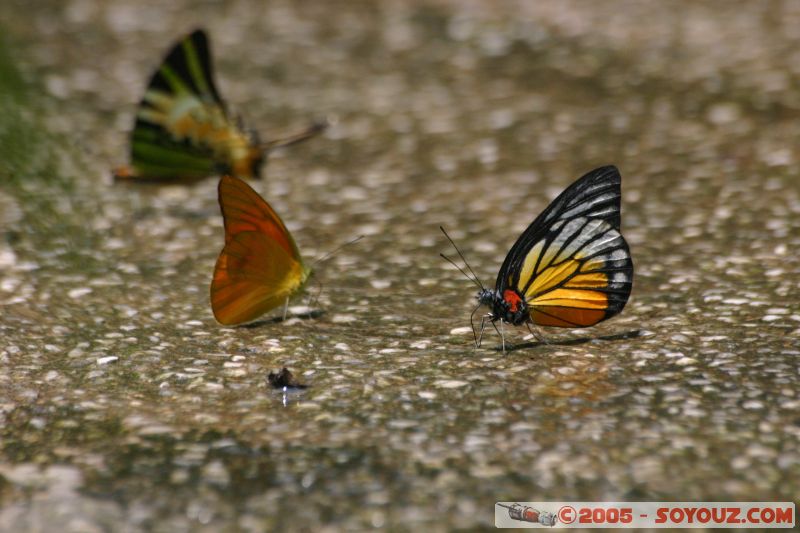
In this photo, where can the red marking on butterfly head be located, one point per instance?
(512, 299)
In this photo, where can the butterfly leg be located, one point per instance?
(472, 325)
(313, 298)
(483, 327)
(499, 331)
(479, 339)
(502, 335)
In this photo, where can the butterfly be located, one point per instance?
(260, 266)
(183, 131)
(571, 267)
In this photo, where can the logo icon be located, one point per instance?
(522, 513)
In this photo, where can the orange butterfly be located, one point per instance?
(260, 267)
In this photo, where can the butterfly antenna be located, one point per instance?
(474, 278)
(315, 128)
(475, 281)
(335, 251)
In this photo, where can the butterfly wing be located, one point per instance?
(182, 128)
(260, 266)
(188, 69)
(572, 265)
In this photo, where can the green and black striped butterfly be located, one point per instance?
(183, 131)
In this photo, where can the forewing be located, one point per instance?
(187, 69)
(244, 210)
(595, 195)
(578, 274)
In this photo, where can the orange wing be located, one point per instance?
(244, 210)
(260, 266)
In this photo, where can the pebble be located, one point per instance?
(450, 383)
(79, 292)
(735, 301)
(380, 284)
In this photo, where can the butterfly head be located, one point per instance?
(508, 306)
(486, 297)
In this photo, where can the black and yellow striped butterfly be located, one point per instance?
(571, 267)
(183, 131)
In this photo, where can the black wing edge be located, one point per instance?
(177, 61)
(618, 293)
(593, 184)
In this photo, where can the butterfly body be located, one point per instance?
(508, 306)
(571, 267)
(188, 140)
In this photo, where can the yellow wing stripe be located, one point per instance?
(579, 299)
(595, 263)
(174, 80)
(529, 265)
(550, 278)
(195, 66)
(595, 280)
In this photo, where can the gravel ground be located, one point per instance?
(125, 406)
